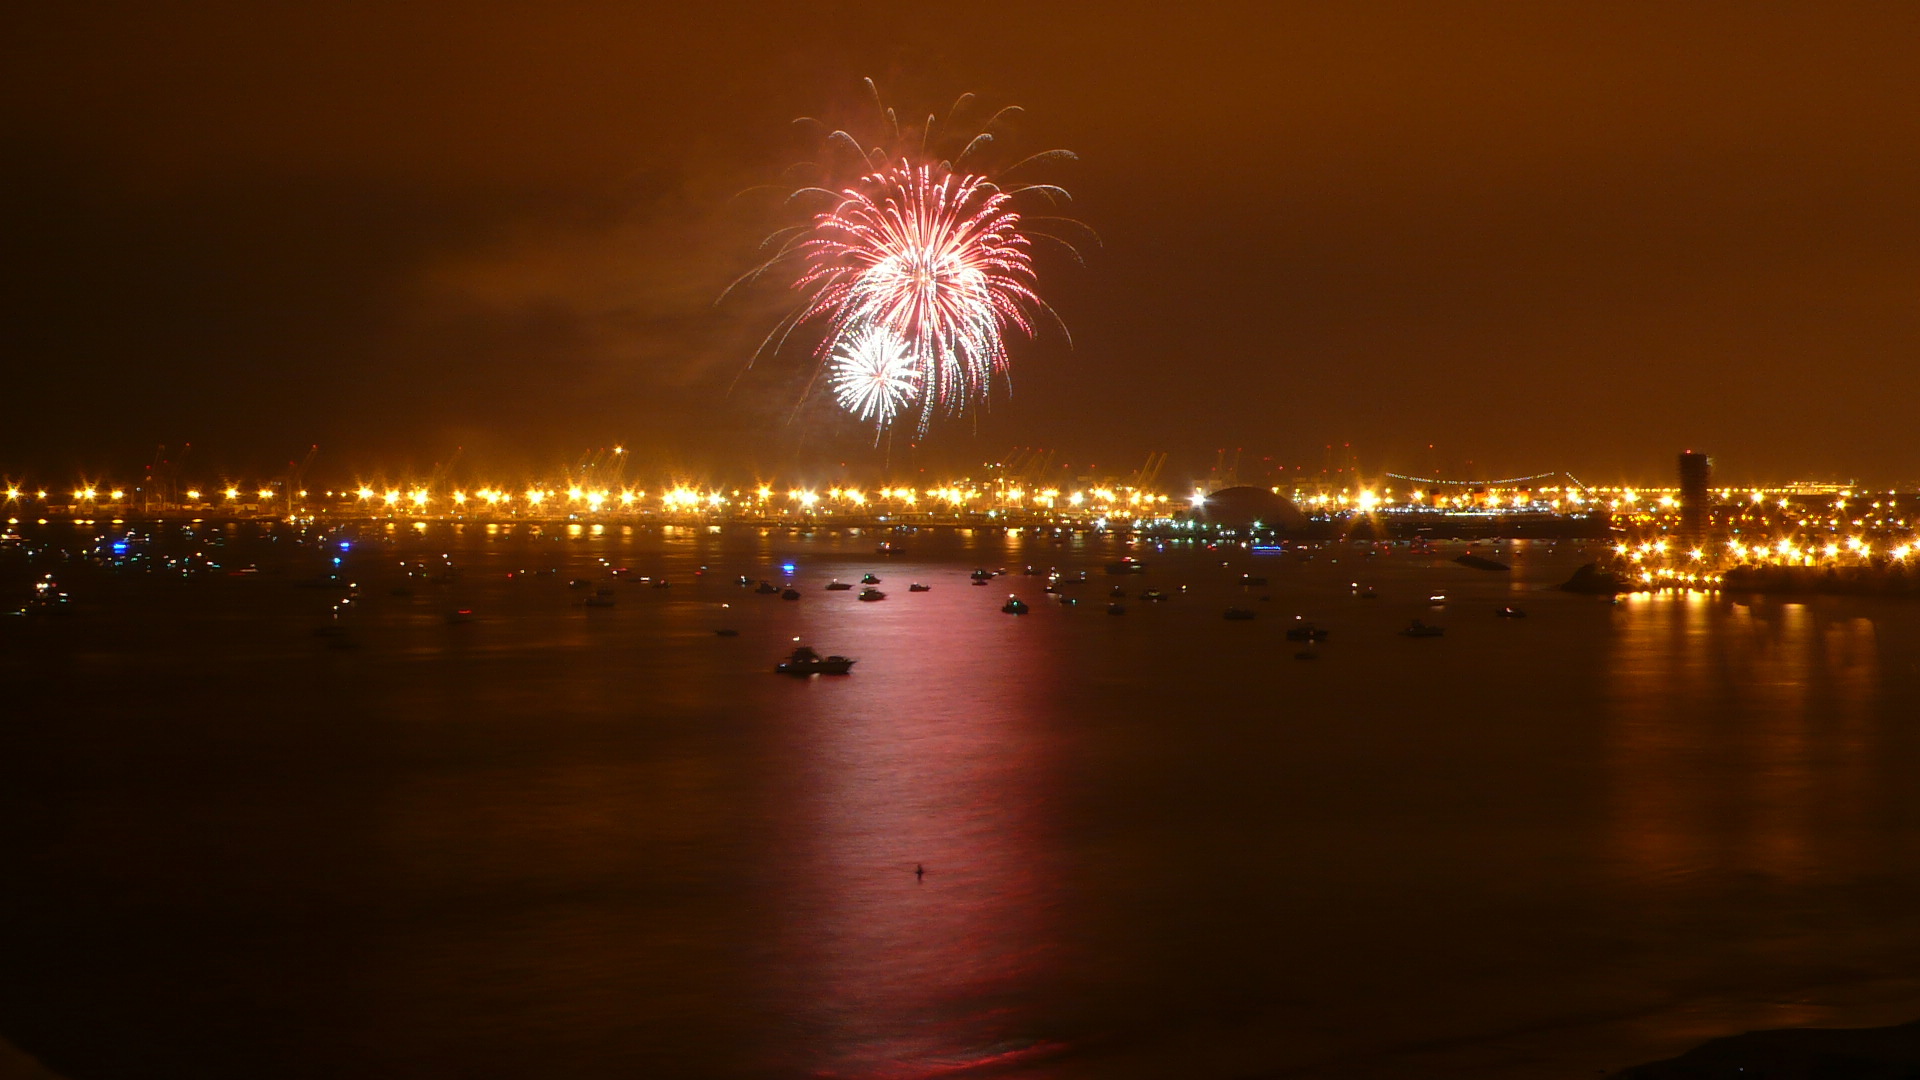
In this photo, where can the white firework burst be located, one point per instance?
(874, 374)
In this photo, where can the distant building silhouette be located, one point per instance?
(1696, 473)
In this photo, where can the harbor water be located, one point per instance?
(556, 839)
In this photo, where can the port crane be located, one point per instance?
(295, 480)
(1145, 478)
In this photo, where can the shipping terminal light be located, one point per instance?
(233, 493)
(535, 496)
(459, 498)
(392, 497)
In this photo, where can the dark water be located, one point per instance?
(573, 842)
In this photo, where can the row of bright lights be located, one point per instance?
(685, 498)
(678, 498)
(1784, 550)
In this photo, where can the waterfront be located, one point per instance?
(566, 841)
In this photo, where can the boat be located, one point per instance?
(1369, 594)
(1437, 598)
(1014, 606)
(766, 588)
(1509, 613)
(1116, 609)
(1128, 565)
(872, 594)
(1239, 614)
(869, 579)
(661, 583)
(790, 594)
(917, 587)
(1306, 631)
(1153, 594)
(1253, 582)
(982, 575)
(838, 586)
(1416, 628)
(805, 661)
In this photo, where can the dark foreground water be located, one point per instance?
(563, 841)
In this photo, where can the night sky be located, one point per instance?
(1532, 236)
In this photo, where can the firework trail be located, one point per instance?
(926, 247)
(874, 376)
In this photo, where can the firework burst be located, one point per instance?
(925, 248)
(938, 262)
(874, 375)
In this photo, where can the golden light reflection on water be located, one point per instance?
(1740, 733)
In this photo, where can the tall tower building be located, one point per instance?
(1696, 473)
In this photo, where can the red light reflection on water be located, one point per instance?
(935, 753)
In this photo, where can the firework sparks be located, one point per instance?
(925, 252)
(874, 375)
(939, 262)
